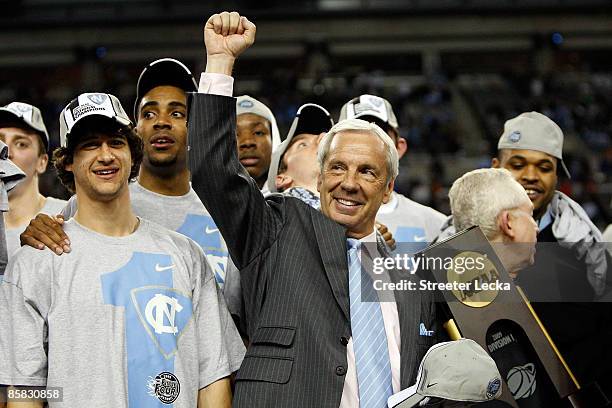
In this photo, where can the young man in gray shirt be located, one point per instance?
(23, 130)
(131, 317)
(164, 179)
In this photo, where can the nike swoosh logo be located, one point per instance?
(419, 239)
(210, 231)
(431, 385)
(159, 268)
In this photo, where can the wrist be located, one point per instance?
(219, 64)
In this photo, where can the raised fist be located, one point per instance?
(227, 35)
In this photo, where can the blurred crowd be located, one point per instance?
(432, 114)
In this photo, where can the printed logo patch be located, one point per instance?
(515, 136)
(19, 108)
(246, 104)
(98, 99)
(165, 386)
(164, 313)
(493, 388)
(375, 101)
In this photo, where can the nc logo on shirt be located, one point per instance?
(202, 229)
(162, 308)
(164, 312)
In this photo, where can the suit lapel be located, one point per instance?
(409, 312)
(331, 238)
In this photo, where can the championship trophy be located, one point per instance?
(488, 307)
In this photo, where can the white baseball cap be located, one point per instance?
(533, 131)
(457, 370)
(310, 118)
(29, 115)
(248, 104)
(88, 105)
(369, 106)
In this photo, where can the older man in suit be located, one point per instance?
(313, 342)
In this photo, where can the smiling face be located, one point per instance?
(101, 166)
(26, 151)
(535, 171)
(353, 183)
(254, 140)
(162, 126)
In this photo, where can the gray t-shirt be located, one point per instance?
(118, 321)
(410, 221)
(53, 206)
(184, 214)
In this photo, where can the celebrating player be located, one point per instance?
(138, 304)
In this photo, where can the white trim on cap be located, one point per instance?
(170, 60)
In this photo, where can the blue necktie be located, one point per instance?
(369, 337)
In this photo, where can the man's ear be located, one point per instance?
(402, 147)
(495, 163)
(283, 182)
(319, 182)
(388, 191)
(504, 222)
(41, 166)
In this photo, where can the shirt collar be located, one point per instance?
(372, 244)
(546, 219)
(306, 196)
(390, 206)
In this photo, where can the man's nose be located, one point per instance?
(246, 142)
(349, 181)
(162, 122)
(530, 174)
(106, 154)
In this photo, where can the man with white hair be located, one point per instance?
(406, 219)
(571, 267)
(494, 201)
(294, 168)
(309, 328)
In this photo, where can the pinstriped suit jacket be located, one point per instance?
(294, 277)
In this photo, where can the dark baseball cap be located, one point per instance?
(164, 71)
(310, 118)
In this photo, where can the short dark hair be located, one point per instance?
(63, 156)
